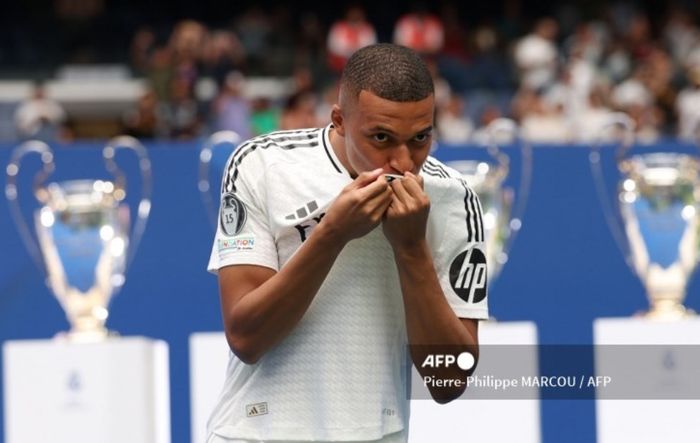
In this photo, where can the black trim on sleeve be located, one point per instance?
(286, 140)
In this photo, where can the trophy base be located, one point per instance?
(86, 336)
(668, 313)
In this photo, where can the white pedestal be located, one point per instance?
(115, 391)
(480, 420)
(209, 355)
(456, 422)
(657, 370)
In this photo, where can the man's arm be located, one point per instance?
(432, 325)
(260, 307)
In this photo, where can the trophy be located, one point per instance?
(206, 154)
(657, 222)
(82, 240)
(501, 219)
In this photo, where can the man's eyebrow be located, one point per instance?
(380, 128)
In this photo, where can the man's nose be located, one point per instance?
(400, 159)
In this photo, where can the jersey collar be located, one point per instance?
(330, 152)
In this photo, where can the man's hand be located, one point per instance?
(406, 219)
(359, 207)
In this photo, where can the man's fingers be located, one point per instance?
(401, 193)
(373, 189)
(365, 178)
(413, 184)
(380, 199)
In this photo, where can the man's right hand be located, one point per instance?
(359, 207)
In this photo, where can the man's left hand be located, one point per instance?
(406, 219)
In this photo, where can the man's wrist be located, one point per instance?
(417, 250)
(329, 237)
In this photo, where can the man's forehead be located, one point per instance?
(372, 109)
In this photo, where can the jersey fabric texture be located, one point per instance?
(343, 372)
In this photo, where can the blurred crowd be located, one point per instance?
(561, 77)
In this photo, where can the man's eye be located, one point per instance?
(422, 137)
(380, 137)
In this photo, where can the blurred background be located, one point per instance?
(179, 70)
(76, 72)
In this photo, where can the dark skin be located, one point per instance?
(372, 136)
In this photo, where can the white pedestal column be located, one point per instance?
(209, 355)
(486, 420)
(648, 361)
(114, 391)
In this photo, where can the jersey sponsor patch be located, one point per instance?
(256, 409)
(238, 243)
(232, 215)
(468, 275)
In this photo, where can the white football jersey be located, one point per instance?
(343, 372)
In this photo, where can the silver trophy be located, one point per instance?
(502, 212)
(657, 221)
(82, 233)
(217, 140)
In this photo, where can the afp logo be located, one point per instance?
(468, 275)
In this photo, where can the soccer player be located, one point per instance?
(331, 274)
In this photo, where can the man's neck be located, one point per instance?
(338, 146)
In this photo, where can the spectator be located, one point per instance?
(347, 36)
(40, 117)
(265, 117)
(182, 112)
(590, 121)
(634, 98)
(144, 121)
(688, 107)
(253, 28)
(541, 121)
(421, 31)
(231, 109)
(222, 53)
(299, 111)
(536, 55)
(453, 126)
(141, 51)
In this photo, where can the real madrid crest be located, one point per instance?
(232, 215)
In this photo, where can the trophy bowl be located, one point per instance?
(655, 221)
(206, 156)
(82, 242)
(502, 211)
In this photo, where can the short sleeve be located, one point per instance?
(243, 235)
(460, 257)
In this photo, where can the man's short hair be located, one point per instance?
(388, 71)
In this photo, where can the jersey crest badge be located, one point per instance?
(232, 215)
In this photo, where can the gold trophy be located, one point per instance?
(206, 154)
(82, 233)
(501, 217)
(657, 221)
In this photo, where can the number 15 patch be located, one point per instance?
(232, 215)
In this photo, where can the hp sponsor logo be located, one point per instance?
(468, 275)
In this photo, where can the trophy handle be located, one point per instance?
(625, 122)
(144, 208)
(12, 170)
(205, 156)
(510, 127)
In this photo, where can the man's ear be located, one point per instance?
(337, 120)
